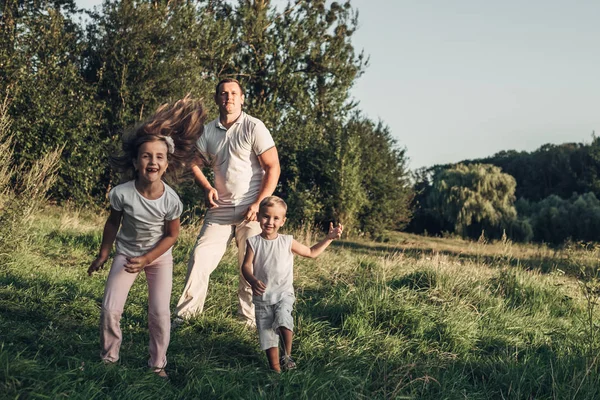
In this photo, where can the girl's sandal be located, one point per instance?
(287, 363)
(161, 373)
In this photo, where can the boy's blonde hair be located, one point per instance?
(272, 201)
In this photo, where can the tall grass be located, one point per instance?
(415, 318)
(22, 189)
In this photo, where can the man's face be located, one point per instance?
(230, 98)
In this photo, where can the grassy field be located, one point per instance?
(408, 318)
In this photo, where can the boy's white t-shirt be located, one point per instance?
(274, 266)
(144, 220)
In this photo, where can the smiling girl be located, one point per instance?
(144, 222)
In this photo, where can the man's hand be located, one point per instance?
(97, 264)
(136, 264)
(335, 233)
(258, 287)
(252, 213)
(210, 198)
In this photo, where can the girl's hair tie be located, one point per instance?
(170, 144)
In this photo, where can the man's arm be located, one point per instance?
(269, 161)
(210, 193)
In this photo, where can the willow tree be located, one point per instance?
(473, 198)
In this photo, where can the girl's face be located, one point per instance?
(271, 218)
(151, 163)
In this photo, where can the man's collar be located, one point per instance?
(237, 121)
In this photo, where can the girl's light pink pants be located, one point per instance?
(159, 275)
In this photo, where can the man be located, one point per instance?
(242, 154)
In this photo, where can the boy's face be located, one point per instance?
(271, 218)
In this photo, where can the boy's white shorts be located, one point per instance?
(270, 317)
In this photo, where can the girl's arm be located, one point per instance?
(316, 249)
(136, 264)
(108, 238)
(258, 287)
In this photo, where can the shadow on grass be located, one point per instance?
(541, 264)
(428, 361)
(46, 319)
(90, 241)
(51, 330)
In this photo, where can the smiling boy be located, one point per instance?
(269, 268)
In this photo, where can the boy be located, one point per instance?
(272, 256)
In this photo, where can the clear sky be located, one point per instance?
(464, 79)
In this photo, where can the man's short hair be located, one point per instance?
(272, 201)
(228, 80)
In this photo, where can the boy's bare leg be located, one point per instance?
(273, 357)
(286, 336)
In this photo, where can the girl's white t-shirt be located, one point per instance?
(274, 266)
(144, 220)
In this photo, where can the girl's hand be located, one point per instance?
(335, 233)
(97, 264)
(258, 287)
(136, 264)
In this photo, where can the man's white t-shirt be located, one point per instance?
(143, 222)
(233, 156)
(274, 266)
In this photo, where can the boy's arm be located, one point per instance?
(258, 287)
(136, 264)
(111, 227)
(316, 249)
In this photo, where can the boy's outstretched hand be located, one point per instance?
(335, 233)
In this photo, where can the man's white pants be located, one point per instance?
(220, 226)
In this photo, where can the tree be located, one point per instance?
(297, 65)
(51, 105)
(473, 198)
(555, 220)
(384, 178)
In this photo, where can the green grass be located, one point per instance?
(412, 318)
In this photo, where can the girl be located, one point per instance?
(147, 212)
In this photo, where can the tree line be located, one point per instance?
(550, 195)
(79, 83)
